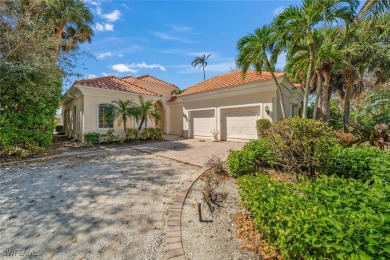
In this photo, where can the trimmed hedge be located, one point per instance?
(91, 138)
(329, 218)
(152, 134)
(131, 134)
(262, 125)
(253, 156)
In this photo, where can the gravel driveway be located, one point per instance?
(105, 205)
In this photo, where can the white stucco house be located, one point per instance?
(226, 104)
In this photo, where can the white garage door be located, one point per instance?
(202, 124)
(240, 124)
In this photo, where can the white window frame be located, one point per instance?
(98, 119)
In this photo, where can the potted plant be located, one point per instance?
(215, 135)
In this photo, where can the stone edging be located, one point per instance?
(174, 245)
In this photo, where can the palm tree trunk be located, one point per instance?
(204, 73)
(124, 124)
(281, 99)
(325, 95)
(348, 77)
(317, 112)
(307, 85)
(140, 125)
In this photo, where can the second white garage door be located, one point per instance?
(202, 123)
(239, 124)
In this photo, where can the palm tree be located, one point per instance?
(253, 50)
(374, 7)
(298, 23)
(146, 110)
(201, 61)
(72, 22)
(122, 110)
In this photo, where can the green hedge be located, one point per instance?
(354, 162)
(91, 138)
(152, 134)
(131, 134)
(253, 156)
(262, 125)
(330, 218)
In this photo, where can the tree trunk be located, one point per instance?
(317, 112)
(281, 99)
(348, 77)
(307, 85)
(204, 73)
(325, 95)
(124, 124)
(140, 125)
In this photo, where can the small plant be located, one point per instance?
(59, 129)
(215, 163)
(109, 137)
(262, 125)
(215, 135)
(131, 134)
(212, 182)
(152, 134)
(91, 138)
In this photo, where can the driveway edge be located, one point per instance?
(174, 244)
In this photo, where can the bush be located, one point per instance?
(109, 137)
(262, 125)
(59, 129)
(328, 218)
(300, 144)
(152, 134)
(91, 138)
(345, 139)
(253, 156)
(131, 134)
(353, 162)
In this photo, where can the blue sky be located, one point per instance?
(161, 38)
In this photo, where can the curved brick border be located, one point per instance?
(174, 244)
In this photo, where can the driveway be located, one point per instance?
(193, 151)
(106, 204)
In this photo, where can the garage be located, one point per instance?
(202, 123)
(239, 123)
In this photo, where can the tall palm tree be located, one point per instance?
(122, 110)
(253, 51)
(300, 22)
(201, 61)
(72, 22)
(145, 110)
(374, 7)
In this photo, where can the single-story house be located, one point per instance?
(226, 106)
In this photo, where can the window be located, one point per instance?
(104, 121)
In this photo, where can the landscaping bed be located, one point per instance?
(216, 239)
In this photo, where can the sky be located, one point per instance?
(162, 38)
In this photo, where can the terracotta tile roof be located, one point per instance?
(228, 80)
(155, 80)
(114, 83)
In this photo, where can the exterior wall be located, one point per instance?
(92, 99)
(175, 118)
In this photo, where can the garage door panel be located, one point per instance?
(202, 124)
(240, 124)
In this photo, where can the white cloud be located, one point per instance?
(123, 68)
(105, 74)
(134, 67)
(102, 27)
(279, 10)
(143, 65)
(104, 55)
(168, 37)
(113, 16)
(177, 28)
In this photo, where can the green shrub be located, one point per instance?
(59, 129)
(131, 134)
(253, 156)
(262, 125)
(109, 137)
(353, 162)
(91, 138)
(329, 218)
(300, 144)
(152, 134)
